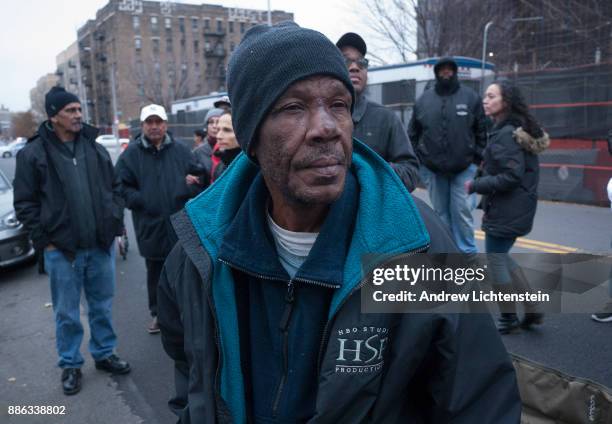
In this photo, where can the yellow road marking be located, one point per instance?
(535, 244)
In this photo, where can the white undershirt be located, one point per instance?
(292, 247)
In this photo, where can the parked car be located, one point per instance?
(15, 244)
(109, 140)
(13, 147)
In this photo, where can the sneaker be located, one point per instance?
(71, 380)
(113, 364)
(602, 317)
(154, 326)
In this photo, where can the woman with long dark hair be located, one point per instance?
(508, 181)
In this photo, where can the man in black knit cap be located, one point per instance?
(67, 197)
(448, 132)
(259, 301)
(375, 125)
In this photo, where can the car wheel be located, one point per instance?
(6, 154)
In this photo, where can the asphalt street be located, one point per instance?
(28, 374)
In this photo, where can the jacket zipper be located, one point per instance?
(355, 289)
(284, 322)
(284, 329)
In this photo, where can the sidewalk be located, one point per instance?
(28, 371)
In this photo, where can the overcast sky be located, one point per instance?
(33, 32)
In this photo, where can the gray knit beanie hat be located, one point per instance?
(266, 62)
(212, 113)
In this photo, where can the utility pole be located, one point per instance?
(484, 55)
(269, 14)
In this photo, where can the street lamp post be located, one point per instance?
(484, 54)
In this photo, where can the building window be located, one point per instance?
(194, 24)
(168, 23)
(155, 43)
(196, 46)
(230, 26)
(182, 43)
(182, 24)
(242, 27)
(207, 45)
(137, 43)
(232, 46)
(154, 23)
(219, 25)
(136, 23)
(169, 44)
(206, 23)
(141, 92)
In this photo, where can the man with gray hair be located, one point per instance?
(259, 302)
(152, 171)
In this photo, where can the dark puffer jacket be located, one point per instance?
(509, 180)
(153, 186)
(40, 197)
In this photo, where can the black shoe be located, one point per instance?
(71, 380)
(113, 365)
(507, 323)
(532, 318)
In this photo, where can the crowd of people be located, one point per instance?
(254, 284)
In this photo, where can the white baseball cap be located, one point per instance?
(151, 110)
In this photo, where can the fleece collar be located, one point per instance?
(249, 232)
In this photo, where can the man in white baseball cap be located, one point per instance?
(153, 110)
(152, 171)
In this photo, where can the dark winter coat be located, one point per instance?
(227, 157)
(153, 186)
(40, 196)
(432, 367)
(382, 131)
(448, 131)
(508, 180)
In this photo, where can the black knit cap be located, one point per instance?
(266, 62)
(56, 99)
(445, 61)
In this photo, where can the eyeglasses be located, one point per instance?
(361, 63)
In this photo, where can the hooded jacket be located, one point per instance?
(40, 197)
(509, 180)
(429, 368)
(448, 126)
(153, 186)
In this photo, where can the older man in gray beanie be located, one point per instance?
(259, 302)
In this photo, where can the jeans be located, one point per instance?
(453, 205)
(92, 270)
(154, 269)
(500, 263)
